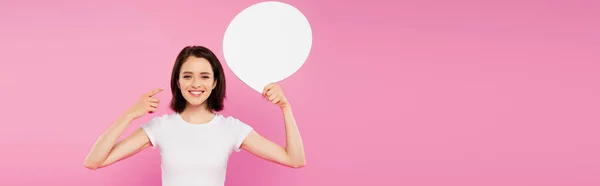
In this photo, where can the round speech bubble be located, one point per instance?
(266, 43)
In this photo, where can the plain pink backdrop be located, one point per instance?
(419, 93)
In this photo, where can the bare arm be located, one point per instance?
(106, 150)
(293, 154)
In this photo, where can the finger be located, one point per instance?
(268, 88)
(274, 90)
(271, 85)
(154, 100)
(276, 100)
(264, 92)
(272, 96)
(154, 105)
(155, 91)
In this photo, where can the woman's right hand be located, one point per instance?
(147, 103)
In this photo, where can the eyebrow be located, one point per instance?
(188, 72)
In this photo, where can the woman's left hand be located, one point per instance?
(274, 94)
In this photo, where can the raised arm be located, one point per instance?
(293, 154)
(107, 151)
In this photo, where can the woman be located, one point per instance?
(195, 142)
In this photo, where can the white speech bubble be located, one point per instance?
(266, 43)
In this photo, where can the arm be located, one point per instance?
(293, 154)
(106, 152)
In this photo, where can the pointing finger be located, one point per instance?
(155, 91)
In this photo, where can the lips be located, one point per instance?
(196, 92)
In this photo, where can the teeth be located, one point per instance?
(196, 92)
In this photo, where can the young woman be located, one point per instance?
(195, 141)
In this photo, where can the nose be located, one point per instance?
(196, 83)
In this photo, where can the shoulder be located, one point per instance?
(165, 117)
(160, 120)
(229, 120)
(233, 122)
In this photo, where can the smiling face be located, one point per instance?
(196, 80)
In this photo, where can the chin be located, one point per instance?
(195, 101)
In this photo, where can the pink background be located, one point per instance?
(423, 93)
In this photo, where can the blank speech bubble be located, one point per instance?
(266, 43)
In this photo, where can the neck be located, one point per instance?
(197, 114)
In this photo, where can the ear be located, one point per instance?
(214, 84)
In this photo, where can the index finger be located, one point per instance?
(155, 91)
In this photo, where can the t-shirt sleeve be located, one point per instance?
(151, 129)
(240, 132)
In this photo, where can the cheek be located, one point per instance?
(183, 87)
(183, 83)
(207, 83)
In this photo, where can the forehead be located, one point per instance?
(196, 65)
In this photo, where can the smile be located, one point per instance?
(196, 92)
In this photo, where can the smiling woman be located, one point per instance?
(195, 142)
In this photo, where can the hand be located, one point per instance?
(145, 104)
(274, 94)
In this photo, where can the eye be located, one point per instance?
(205, 77)
(187, 76)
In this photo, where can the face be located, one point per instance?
(196, 80)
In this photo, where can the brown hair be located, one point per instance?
(215, 99)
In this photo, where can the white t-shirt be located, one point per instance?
(195, 154)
